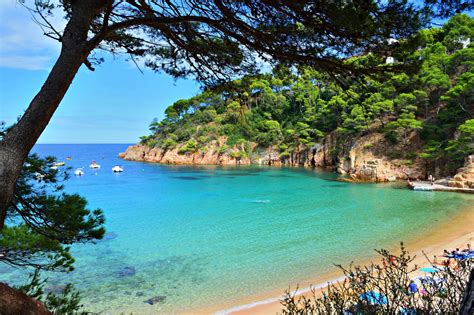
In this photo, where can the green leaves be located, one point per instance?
(43, 221)
(297, 106)
(463, 145)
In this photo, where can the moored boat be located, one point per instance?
(117, 169)
(79, 172)
(94, 165)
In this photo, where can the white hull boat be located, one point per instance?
(79, 172)
(117, 169)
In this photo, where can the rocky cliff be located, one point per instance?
(16, 302)
(464, 177)
(363, 159)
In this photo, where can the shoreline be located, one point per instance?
(456, 233)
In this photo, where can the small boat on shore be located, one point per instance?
(79, 172)
(59, 164)
(117, 169)
(94, 165)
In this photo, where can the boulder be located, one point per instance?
(464, 177)
(156, 299)
(125, 272)
(16, 302)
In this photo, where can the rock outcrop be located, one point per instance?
(464, 177)
(366, 161)
(211, 156)
(362, 159)
(16, 302)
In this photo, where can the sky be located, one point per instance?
(113, 104)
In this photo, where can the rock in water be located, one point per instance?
(155, 300)
(109, 236)
(125, 272)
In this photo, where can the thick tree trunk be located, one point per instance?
(18, 142)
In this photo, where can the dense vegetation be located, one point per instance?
(293, 109)
(383, 288)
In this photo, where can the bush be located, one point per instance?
(190, 147)
(222, 149)
(443, 290)
(168, 144)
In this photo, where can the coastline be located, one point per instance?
(458, 232)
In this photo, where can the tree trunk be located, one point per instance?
(18, 142)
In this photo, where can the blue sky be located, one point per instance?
(113, 104)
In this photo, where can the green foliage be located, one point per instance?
(222, 149)
(390, 277)
(190, 147)
(463, 145)
(66, 302)
(298, 108)
(43, 221)
(168, 144)
(404, 123)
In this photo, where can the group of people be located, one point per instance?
(466, 253)
(450, 261)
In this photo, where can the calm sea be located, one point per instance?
(205, 236)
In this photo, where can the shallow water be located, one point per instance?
(204, 236)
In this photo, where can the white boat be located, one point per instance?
(79, 172)
(117, 169)
(53, 168)
(94, 165)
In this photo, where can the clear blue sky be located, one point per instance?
(113, 104)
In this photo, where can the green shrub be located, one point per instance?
(190, 147)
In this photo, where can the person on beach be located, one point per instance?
(431, 178)
(412, 287)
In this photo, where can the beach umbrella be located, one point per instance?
(429, 269)
(374, 298)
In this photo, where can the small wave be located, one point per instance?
(276, 299)
(260, 201)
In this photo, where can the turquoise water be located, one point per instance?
(208, 236)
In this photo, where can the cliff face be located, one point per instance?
(211, 156)
(464, 178)
(363, 159)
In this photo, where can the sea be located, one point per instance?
(203, 237)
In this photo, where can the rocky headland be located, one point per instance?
(361, 160)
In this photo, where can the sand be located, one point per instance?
(456, 233)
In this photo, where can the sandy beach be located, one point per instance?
(456, 233)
